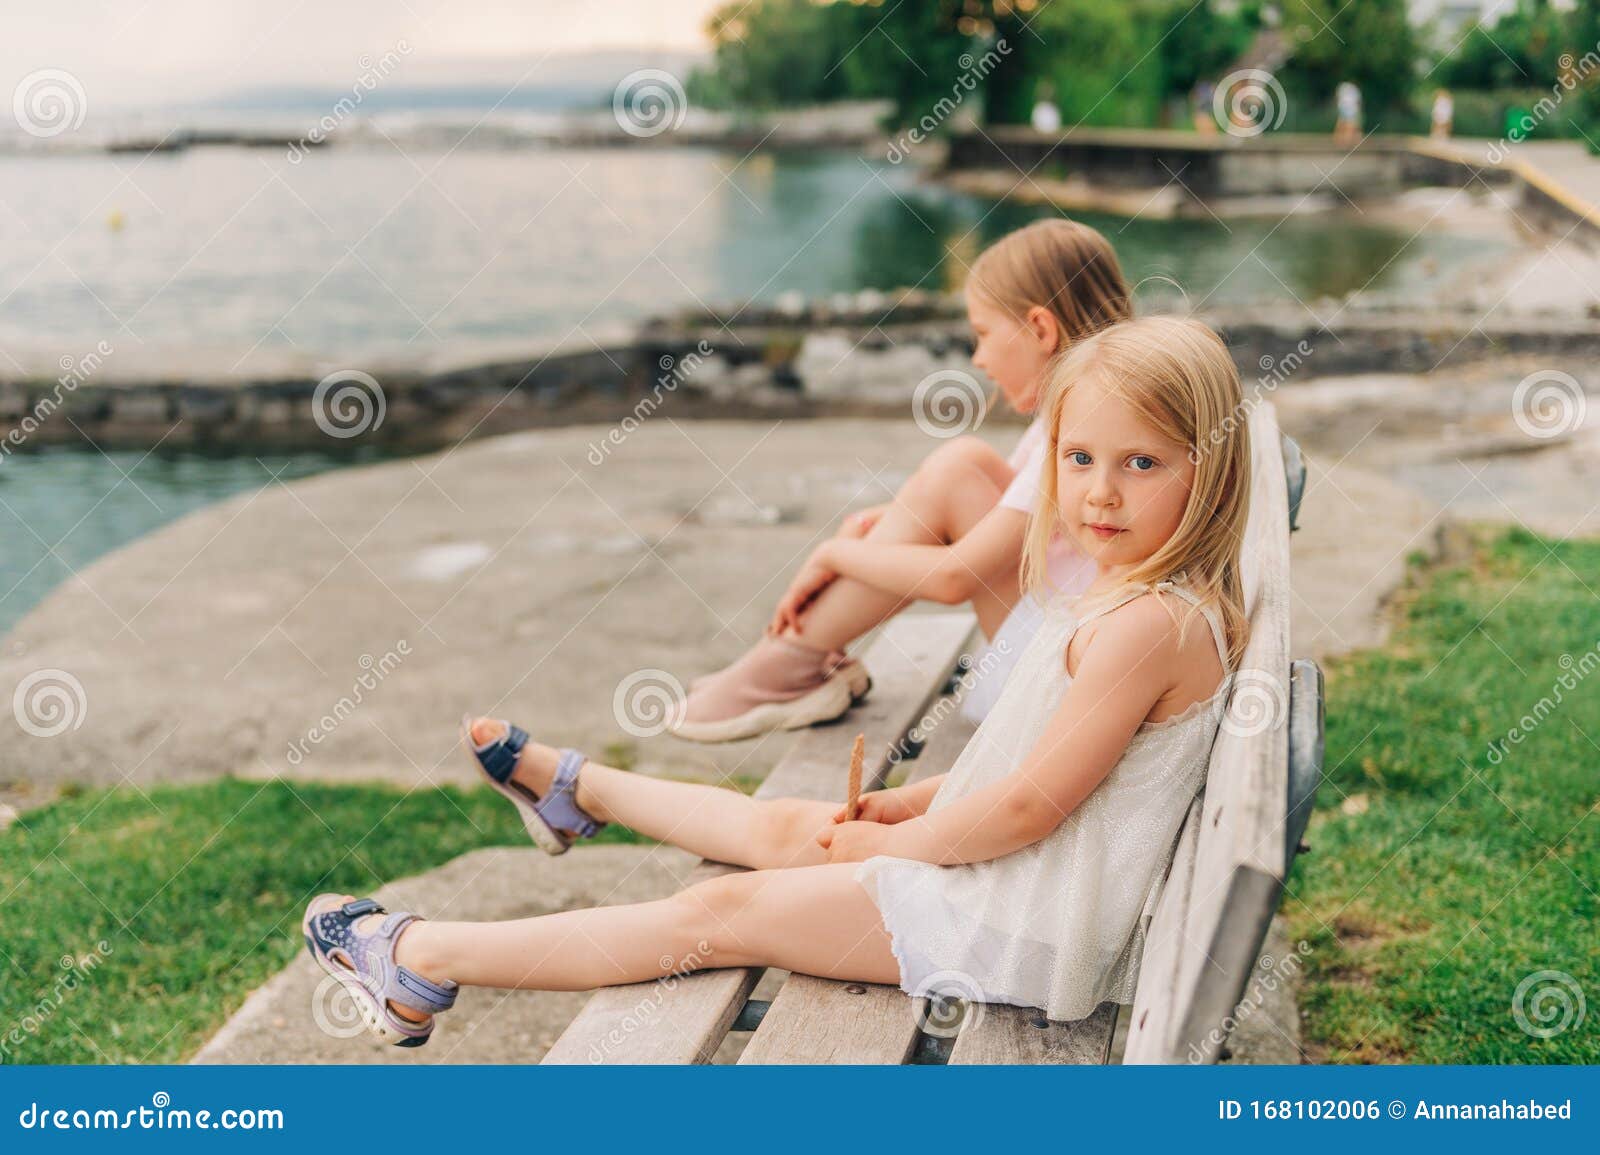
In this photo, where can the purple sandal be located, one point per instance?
(363, 962)
(545, 818)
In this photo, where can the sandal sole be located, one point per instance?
(373, 1013)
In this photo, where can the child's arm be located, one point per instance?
(941, 573)
(897, 804)
(1128, 666)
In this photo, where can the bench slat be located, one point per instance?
(1007, 1034)
(820, 1021)
(1236, 872)
(909, 660)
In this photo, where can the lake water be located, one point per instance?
(200, 257)
(62, 508)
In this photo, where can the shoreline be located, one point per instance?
(866, 359)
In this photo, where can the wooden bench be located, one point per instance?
(1202, 945)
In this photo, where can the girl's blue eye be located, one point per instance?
(1142, 463)
(1079, 457)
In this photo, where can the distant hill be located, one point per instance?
(563, 81)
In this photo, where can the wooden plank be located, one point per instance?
(819, 1021)
(683, 1019)
(997, 1032)
(1004, 1034)
(1165, 944)
(1238, 862)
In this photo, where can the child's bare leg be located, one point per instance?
(951, 491)
(817, 920)
(712, 821)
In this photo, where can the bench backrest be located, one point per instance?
(1228, 870)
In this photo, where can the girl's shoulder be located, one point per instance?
(1149, 626)
(1136, 624)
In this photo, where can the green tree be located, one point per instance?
(1519, 50)
(1369, 42)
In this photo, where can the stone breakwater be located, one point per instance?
(867, 354)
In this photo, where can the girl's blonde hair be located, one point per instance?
(1178, 377)
(1059, 265)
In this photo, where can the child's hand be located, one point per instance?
(852, 841)
(857, 525)
(882, 806)
(814, 577)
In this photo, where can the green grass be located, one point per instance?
(197, 892)
(1439, 879)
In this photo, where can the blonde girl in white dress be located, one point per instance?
(1025, 875)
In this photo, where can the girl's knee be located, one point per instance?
(955, 465)
(708, 912)
(786, 827)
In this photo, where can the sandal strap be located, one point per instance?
(499, 758)
(559, 807)
(402, 984)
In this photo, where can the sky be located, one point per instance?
(132, 52)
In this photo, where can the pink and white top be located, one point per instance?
(1068, 569)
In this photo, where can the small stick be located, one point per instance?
(858, 755)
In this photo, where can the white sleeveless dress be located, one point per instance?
(1059, 924)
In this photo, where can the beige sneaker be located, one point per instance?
(829, 700)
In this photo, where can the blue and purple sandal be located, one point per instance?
(544, 818)
(363, 962)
